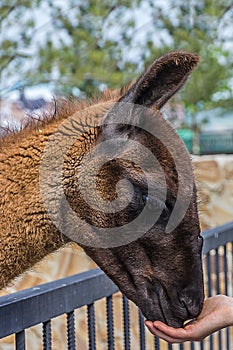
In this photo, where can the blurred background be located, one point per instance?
(79, 48)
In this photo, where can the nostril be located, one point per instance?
(189, 308)
(190, 304)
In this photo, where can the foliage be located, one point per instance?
(12, 22)
(73, 47)
(84, 46)
(200, 26)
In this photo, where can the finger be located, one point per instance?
(160, 334)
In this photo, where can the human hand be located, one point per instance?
(216, 314)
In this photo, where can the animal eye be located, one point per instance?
(154, 204)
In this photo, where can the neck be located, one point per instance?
(27, 233)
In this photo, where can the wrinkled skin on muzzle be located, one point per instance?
(161, 274)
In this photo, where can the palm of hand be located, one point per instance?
(216, 314)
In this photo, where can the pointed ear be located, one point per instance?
(161, 79)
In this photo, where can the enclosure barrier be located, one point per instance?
(215, 143)
(41, 304)
(208, 142)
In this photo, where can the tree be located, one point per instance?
(73, 46)
(80, 47)
(16, 34)
(199, 26)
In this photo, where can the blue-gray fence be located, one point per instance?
(215, 143)
(208, 142)
(42, 304)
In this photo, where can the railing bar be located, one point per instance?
(211, 341)
(71, 330)
(225, 270)
(91, 326)
(192, 345)
(47, 335)
(209, 268)
(126, 320)
(217, 286)
(110, 323)
(228, 338)
(20, 340)
(156, 343)
(217, 270)
(142, 331)
(220, 339)
(169, 346)
(181, 346)
(231, 252)
(202, 345)
(226, 291)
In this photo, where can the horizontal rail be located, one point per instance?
(217, 236)
(21, 310)
(39, 304)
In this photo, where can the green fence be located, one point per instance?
(213, 143)
(208, 142)
(188, 137)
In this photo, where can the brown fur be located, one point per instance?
(160, 272)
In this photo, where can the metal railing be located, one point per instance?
(42, 304)
(218, 142)
(215, 143)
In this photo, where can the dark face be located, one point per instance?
(174, 291)
(160, 270)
